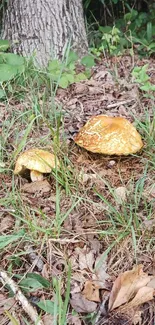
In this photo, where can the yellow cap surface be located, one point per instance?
(110, 136)
(35, 159)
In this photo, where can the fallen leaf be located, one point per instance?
(6, 303)
(151, 284)
(137, 318)
(91, 291)
(80, 88)
(74, 320)
(34, 258)
(86, 259)
(41, 187)
(120, 194)
(84, 177)
(6, 223)
(130, 316)
(143, 295)
(48, 320)
(126, 286)
(104, 76)
(100, 276)
(82, 305)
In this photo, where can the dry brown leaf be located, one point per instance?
(143, 295)
(134, 316)
(74, 320)
(120, 194)
(2, 301)
(34, 258)
(84, 177)
(80, 88)
(100, 276)
(137, 319)
(151, 284)
(41, 187)
(104, 76)
(91, 291)
(6, 304)
(6, 223)
(86, 259)
(82, 305)
(126, 286)
(48, 320)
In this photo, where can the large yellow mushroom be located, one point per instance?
(110, 136)
(37, 161)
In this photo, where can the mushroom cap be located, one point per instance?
(35, 159)
(109, 135)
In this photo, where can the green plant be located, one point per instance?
(11, 65)
(58, 307)
(113, 42)
(142, 78)
(64, 73)
(124, 28)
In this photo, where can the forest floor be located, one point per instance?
(66, 241)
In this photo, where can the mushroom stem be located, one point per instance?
(36, 176)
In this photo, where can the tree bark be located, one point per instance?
(44, 28)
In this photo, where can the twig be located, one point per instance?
(64, 241)
(32, 313)
(120, 103)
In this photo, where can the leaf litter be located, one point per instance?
(100, 95)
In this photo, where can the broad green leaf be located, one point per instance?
(130, 16)
(70, 77)
(30, 285)
(63, 82)
(54, 65)
(47, 306)
(71, 66)
(87, 73)
(152, 45)
(45, 283)
(4, 45)
(80, 76)
(8, 239)
(8, 72)
(72, 57)
(135, 70)
(106, 29)
(11, 59)
(88, 61)
(54, 76)
(148, 87)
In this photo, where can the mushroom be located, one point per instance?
(37, 161)
(109, 135)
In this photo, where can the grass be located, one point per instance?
(35, 122)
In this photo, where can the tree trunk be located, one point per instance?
(45, 27)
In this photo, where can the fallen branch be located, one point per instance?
(31, 312)
(64, 241)
(120, 103)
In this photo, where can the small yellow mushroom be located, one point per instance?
(36, 160)
(110, 136)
